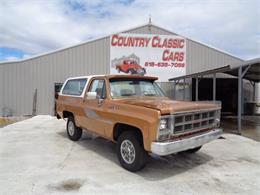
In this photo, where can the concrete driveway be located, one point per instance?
(36, 157)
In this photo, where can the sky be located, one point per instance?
(33, 27)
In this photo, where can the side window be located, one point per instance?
(74, 87)
(99, 87)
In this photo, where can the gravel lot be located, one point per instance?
(36, 157)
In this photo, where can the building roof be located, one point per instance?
(107, 36)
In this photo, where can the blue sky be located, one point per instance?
(32, 27)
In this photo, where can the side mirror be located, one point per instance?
(91, 95)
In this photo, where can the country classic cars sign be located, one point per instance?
(163, 56)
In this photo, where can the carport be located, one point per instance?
(249, 70)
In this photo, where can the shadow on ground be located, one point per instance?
(157, 167)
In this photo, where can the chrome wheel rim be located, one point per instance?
(71, 128)
(127, 151)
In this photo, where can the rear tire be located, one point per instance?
(74, 133)
(130, 151)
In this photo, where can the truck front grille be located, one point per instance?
(194, 121)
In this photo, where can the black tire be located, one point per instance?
(140, 154)
(193, 150)
(75, 134)
(132, 71)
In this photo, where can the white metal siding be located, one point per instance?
(20, 79)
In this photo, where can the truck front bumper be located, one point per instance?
(170, 147)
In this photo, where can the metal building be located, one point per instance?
(19, 80)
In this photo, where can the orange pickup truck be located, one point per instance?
(133, 112)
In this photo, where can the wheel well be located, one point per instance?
(119, 128)
(67, 114)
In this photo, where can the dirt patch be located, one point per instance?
(68, 185)
(9, 120)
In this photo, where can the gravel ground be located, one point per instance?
(36, 157)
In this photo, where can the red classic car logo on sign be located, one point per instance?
(130, 67)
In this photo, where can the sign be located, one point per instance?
(163, 56)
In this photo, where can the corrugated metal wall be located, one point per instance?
(201, 57)
(20, 79)
(1, 89)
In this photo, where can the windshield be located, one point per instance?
(127, 87)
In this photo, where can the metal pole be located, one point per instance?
(239, 100)
(174, 90)
(214, 87)
(254, 91)
(197, 89)
(242, 94)
(184, 95)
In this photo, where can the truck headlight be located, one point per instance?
(217, 122)
(163, 124)
(163, 129)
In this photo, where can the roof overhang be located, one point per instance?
(199, 74)
(251, 69)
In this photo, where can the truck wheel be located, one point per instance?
(74, 132)
(132, 71)
(130, 151)
(193, 150)
(144, 71)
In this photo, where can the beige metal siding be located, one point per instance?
(201, 57)
(22, 78)
(1, 89)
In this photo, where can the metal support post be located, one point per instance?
(184, 95)
(197, 89)
(254, 91)
(214, 87)
(239, 103)
(174, 90)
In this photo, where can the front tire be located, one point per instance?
(130, 151)
(144, 71)
(74, 133)
(132, 71)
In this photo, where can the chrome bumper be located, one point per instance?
(166, 148)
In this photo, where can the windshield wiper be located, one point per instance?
(128, 94)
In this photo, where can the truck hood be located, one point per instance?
(166, 106)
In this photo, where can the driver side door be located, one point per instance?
(95, 109)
